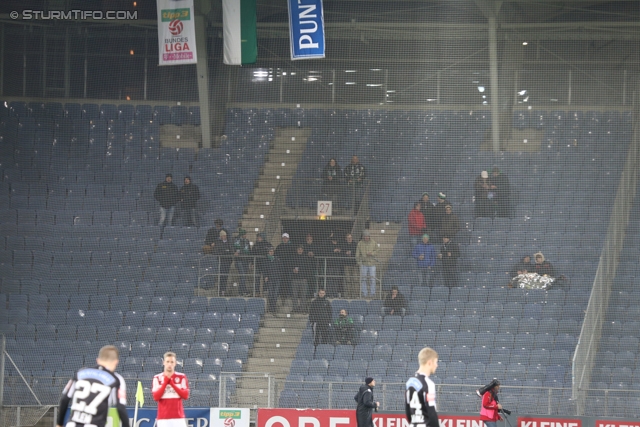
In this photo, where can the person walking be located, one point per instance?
(366, 404)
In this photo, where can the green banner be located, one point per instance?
(171, 14)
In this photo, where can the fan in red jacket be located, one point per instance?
(170, 388)
(417, 224)
(490, 406)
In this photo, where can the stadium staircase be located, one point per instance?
(273, 350)
(386, 235)
(278, 170)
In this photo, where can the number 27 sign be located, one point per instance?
(325, 207)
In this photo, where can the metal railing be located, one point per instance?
(588, 342)
(214, 268)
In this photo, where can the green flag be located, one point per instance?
(239, 22)
(140, 395)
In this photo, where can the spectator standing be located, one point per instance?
(449, 254)
(542, 266)
(502, 192)
(273, 271)
(241, 253)
(450, 224)
(300, 279)
(351, 270)
(344, 329)
(331, 180)
(439, 210)
(395, 304)
(354, 175)
(320, 318)
(335, 266)
(484, 194)
(425, 254)
(366, 404)
(417, 224)
(366, 258)
(189, 196)
(259, 253)
(428, 211)
(224, 250)
(166, 193)
(285, 252)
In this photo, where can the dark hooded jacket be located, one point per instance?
(189, 194)
(166, 194)
(366, 405)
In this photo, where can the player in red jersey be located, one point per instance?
(169, 389)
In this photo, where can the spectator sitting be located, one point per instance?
(166, 193)
(417, 223)
(450, 224)
(212, 235)
(395, 303)
(425, 254)
(331, 180)
(542, 267)
(523, 266)
(189, 196)
(502, 192)
(344, 329)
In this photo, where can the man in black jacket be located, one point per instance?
(449, 254)
(354, 175)
(166, 193)
(213, 234)
(320, 318)
(272, 275)
(428, 211)
(259, 252)
(189, 196)
(351, 270)
(224, 249)
(300, 279)
(366, 404)
(285, 252)
(394, 303)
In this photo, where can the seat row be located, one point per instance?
(140, 303)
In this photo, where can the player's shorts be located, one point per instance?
(175, 422)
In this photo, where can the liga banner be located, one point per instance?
(306, 29)
(176, 32)
(229, 417)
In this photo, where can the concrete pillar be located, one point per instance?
(203, 79)
(495, 89)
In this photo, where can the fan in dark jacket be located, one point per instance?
(366, 404)
(449, 254)
(320, 318)
(272, 274)
(259, 251)
(189, 196)
(285, 252)
(394, 303)
(542, 266)
(166, 193)
(522, 267)
(331, 180)
(300, 279)
(224, 249)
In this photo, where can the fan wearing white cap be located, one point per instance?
(483, 204)
(286, 252)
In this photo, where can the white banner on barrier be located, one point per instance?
(229, 417)
(176, 32)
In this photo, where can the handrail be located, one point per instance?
(588, 342)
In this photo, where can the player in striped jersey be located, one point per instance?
(92, 391)
(420, 395)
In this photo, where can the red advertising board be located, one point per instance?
(548, 422)
(617, 423)
(338, 418)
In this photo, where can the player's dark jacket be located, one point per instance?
(366, 405)
(93, 391)
(420, 401)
